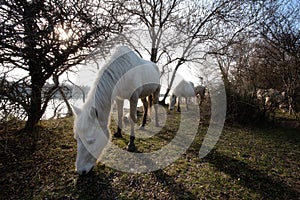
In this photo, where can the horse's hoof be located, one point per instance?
(156, 125)
(142, 128)
(131, 148)
(118, 135)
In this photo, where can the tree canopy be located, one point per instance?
(44, 39)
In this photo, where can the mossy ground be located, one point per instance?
(247, 163)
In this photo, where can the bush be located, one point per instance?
(243, 108)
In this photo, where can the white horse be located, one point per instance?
(183, 89)
(126, 76)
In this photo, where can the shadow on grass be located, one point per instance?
(281, 134)
(176, 189)
(259, 182)
(95, 185)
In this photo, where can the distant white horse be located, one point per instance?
(270, 99)
(126, 76)
(183, 89)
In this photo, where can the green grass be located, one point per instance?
(247, 163)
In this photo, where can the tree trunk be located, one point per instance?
(34, 62)
(35, 107)
(163, 101)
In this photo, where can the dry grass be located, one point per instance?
(247, 163)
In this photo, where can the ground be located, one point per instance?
(247, 163)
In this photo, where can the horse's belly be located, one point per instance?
(140, 92)
(140, 81)
(148, 89)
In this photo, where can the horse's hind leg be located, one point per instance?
(120, 104)
(133, 120)
(187, 105)
(155, 101)
(178, 107)
(150, 100)
(145, 104)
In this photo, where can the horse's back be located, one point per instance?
(184, 89)
(141, 77)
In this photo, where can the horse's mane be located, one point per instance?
(120, 61)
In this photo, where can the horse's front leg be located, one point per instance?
(133, 120)
(155, 101)
(120, 104)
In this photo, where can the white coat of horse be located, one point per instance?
(183, 89)
(125, 76)
(270, 97)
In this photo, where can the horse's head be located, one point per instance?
(172, 101)
(90, 140)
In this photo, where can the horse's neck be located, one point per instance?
(102, 108)
(103, 112)
(103, 92)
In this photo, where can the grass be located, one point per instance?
(247, 163)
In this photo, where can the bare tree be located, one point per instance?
(180, 31)
(44, 38)
(263, 52)
(281, 47)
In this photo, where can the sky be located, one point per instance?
(88, 72)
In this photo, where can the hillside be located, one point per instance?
(247, 163)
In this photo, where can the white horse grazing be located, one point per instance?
(183, 89)
(126, 76)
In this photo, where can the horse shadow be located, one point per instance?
(176, 189)
(95, 185)
(258, 181)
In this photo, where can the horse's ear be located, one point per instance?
(76, 110)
